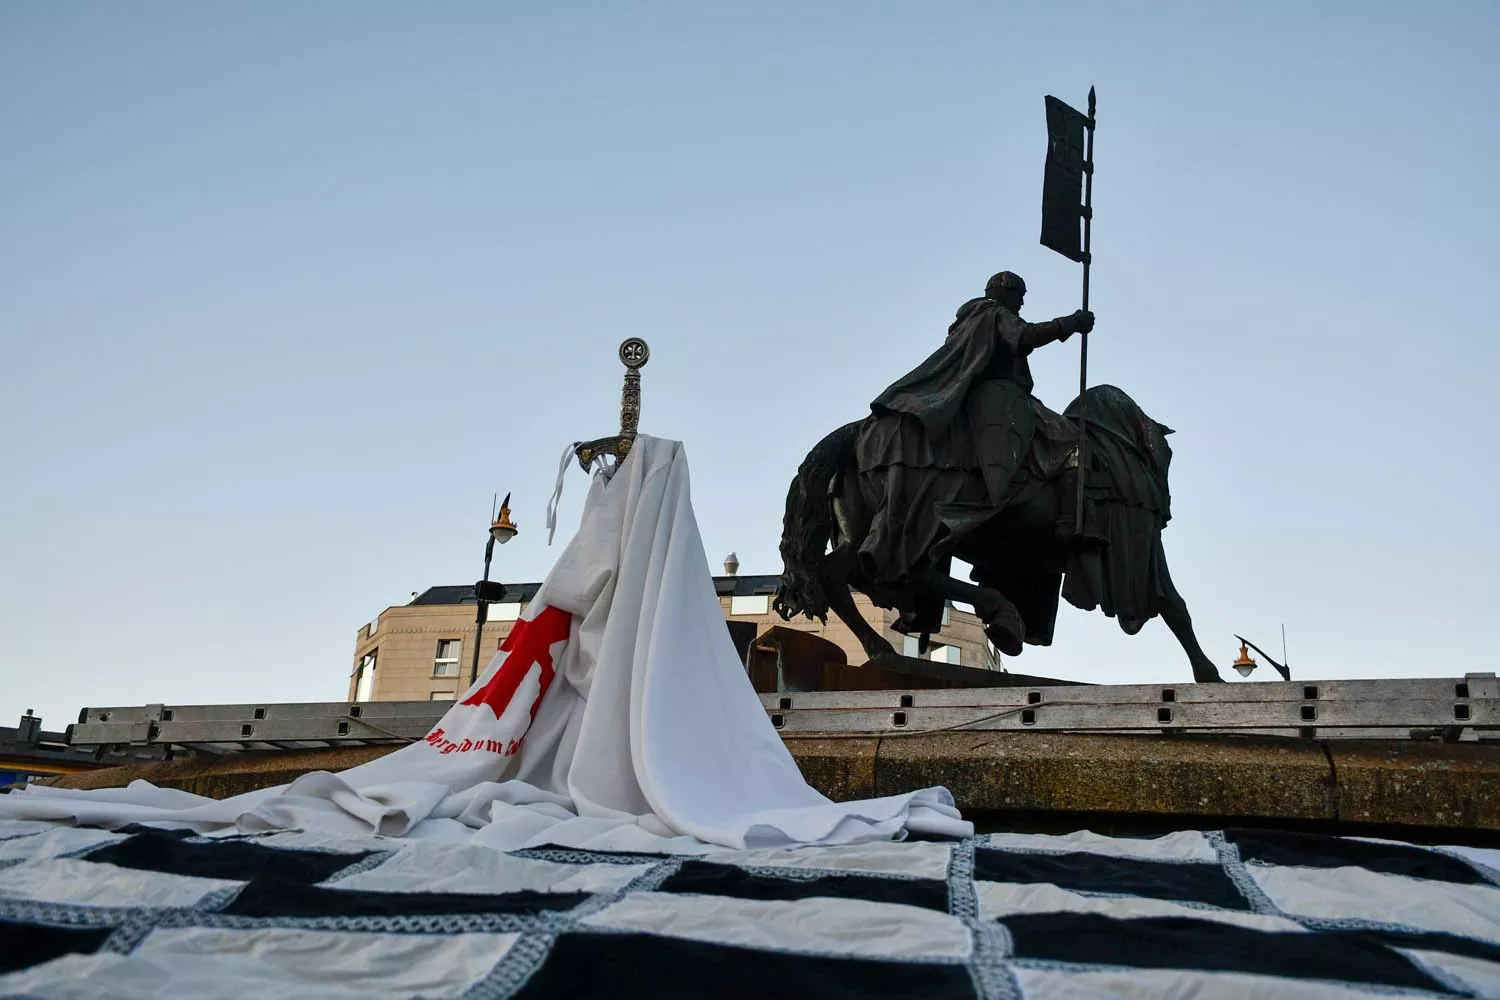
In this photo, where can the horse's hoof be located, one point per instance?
(1005, 639)
(1003, 626)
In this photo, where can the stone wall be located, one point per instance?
(1446, 789)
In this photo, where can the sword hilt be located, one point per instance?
(634, 353)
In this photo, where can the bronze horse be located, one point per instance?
(1019, 566)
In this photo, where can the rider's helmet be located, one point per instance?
(1006, 288)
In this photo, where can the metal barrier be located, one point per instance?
(1462, 708)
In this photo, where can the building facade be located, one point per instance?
(424, 650)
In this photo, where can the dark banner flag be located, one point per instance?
(1067, 227)
(1062, 184)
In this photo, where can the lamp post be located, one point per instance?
(502, 530)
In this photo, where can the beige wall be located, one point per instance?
(405, 642)
(962, 629)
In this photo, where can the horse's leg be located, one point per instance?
(836, 569)
(1174, 612)
(851, 520)
(1002, 622)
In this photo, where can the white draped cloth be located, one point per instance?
(616, 716)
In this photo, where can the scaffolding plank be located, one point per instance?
(1394, 707)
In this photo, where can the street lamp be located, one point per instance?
(1246, 662)
(502, 530)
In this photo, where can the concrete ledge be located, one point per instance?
(1177, 778)
(1182, 776)
(1452, 785)
(842, 769)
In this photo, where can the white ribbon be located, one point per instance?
(600, 465)
(562, 472)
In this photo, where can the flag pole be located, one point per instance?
(1083, 359)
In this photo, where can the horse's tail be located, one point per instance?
(808, 527)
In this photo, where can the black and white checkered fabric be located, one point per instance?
(1233, 913)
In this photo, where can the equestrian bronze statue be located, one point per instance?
(958, 460)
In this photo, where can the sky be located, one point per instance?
(288, 291)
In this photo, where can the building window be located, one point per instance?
(758, 604)
(503, 611)
(445, 661)
(946, 654)
(364, 683)
(938, 653)
(440, 696)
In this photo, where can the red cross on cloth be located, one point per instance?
(529, 642)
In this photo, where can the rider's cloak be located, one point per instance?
(953, 442)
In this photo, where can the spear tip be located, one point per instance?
(1091, 102)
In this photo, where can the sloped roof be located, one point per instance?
(463, 593)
